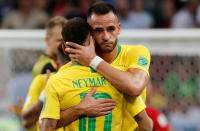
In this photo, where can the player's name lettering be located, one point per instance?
(89, 82)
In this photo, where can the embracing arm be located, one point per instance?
(48, 124)
(87, 107)
(131, 82)
(31, 115)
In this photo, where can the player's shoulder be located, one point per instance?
(138, 47)
(43, 58)
(42, 64)
(135, 50)
(64, 67)
(63, 71)
(40, 76)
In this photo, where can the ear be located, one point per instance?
(63, 48)
(119, 28)
(46, 40)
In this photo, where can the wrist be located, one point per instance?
(95, 62)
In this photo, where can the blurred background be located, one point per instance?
(169, 28)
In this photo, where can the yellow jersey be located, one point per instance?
(43, 63)
(130, 56)
(72, 83)
(37, 86)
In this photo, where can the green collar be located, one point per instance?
(77, 63)
(119, 50)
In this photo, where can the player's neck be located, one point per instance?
(110, 56)
(48, 53)
(73, 62)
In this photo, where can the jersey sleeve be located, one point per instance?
(35, 89)
(51, 106)
(138, 57)
(134, 105)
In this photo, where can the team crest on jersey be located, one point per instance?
(142, 61)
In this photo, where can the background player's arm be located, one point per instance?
(33, 106)
(144, 121)
(88, 107)
(16, 109)
(31, 115)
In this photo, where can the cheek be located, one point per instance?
(57, 43)
(115, 35)
(97, 38)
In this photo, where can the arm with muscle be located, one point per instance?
(144, 121)
(131, 82)
(31, 115)
(48, 124)
(87, 107)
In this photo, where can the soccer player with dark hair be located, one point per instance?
(72, 83)
(124, 66)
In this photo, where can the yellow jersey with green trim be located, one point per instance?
(57, 98)
(37, 86)
(69, 86)
(130, 56)
(42, 64)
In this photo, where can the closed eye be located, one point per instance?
(98, 30)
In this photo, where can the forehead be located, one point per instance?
(109, 19)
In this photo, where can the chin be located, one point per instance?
(107, 50)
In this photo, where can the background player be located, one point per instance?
(33, 106)
(53, 38)
(46, 61)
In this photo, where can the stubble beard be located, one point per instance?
(101, 49)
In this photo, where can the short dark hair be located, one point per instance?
(101, 8)
(76, 30)
(61, 55)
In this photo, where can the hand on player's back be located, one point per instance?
(96, 107)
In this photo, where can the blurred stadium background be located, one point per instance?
(169, 28)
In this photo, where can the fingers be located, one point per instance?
(72, 51)
(104, 110)
(92, 91)
(15, 109)
(73, 56)
(103, 101)
(74, 45)
(10, 107)
(20, 100)
(92, 42)
(107, 104)
(103, 113)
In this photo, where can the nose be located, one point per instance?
(106, 35)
